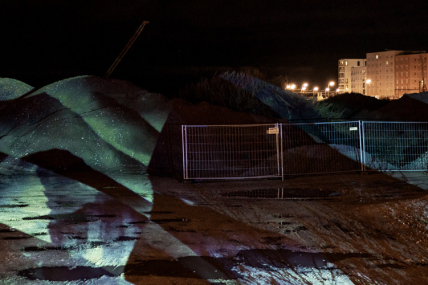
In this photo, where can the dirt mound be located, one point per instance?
(12, 89)
(353, 105)
(167, 156)
(286, 104)
(404, 109)
(112, 125)
(96, 120)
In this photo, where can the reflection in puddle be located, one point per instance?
(284, 193)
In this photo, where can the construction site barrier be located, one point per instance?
(278, 150)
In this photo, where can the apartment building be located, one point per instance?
(358, 79)
(381, 73)
(345, 72)
(410, 73)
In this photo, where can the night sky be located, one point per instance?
(44, 41)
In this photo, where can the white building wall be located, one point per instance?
(345, 66)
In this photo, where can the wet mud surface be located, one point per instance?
(334, 229)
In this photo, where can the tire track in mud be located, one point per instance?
(351, 229)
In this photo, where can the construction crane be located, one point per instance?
(422, 85)
(125, 49)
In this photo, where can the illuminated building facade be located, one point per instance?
(381, 73)
(358, 79)
(345, 72)
(410, 73)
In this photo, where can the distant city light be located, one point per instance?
(293, 86)
(315, 88)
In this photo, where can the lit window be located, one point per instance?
(377, 57)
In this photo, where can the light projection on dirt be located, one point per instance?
(82, 124)
(65, 153)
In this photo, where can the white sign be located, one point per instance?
(273, 131)
(353, 128)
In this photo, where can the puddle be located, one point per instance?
(284, 193)
(62, 273)
(163, 221)
(198, 267)
(268, 259)
(295, 230)
(12, 238)
(126, 238)
(37, 248)
(39, 218)
(8, 231)
(14, 206)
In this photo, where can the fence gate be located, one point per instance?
(232, 151)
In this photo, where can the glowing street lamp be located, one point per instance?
(331, 83)
(315, 88)
(365, 89)
(293, 86)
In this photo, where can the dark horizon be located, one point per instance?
(48, 40)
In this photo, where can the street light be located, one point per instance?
(365, 91)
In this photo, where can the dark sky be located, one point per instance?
(43, 41)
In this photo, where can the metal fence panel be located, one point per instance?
(275, 150)
(321, 147)
(395, 146)
(231, 152)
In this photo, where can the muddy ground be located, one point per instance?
(132, 228)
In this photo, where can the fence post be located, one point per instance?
(281, 150)
(363, 149)
(184, 149)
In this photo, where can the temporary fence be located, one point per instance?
(232, 151)
(276, 150)
(393, 146)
